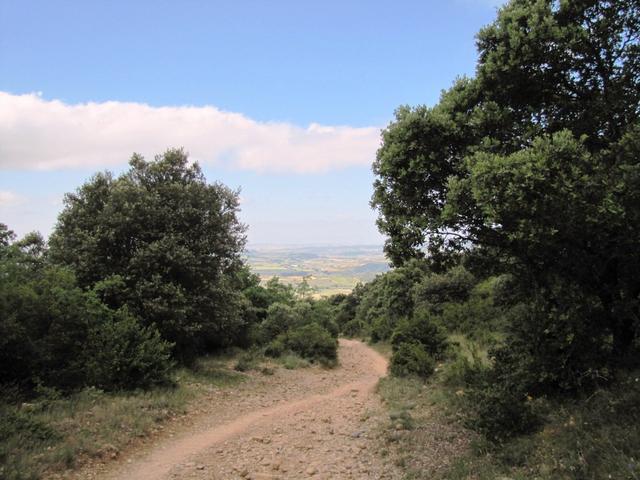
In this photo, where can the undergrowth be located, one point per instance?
(53, 433)
(590, 438)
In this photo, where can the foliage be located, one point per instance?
(386, 300)
(422, 330)
(167, 243)
(482, 316)
(411, 359)
(312, 342)
(346, 308)
(280, 318)
(531, 168)
(122, 354)
(262, 297)
(54, 334)
(452, 286)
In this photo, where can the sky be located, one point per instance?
(284, 100)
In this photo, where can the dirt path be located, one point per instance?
(308, 423)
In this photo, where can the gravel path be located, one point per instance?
(307, 423)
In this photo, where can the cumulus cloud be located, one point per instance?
(8, 198)
(39, 134)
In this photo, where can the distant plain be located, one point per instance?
(328, 269)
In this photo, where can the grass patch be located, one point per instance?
(419, 438)
(592, 438)
(382, 348)
(597, 437)
(53, 433)
(291, 361)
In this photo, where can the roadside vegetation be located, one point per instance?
(51, 432)
(512, 214)
(104, 326)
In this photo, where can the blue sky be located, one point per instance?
(284, 99)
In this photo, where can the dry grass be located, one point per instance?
(55, 433)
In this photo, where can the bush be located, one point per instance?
(248, 360)
(54, 334)
(462, 371)
(280, 318)
(276, 347)
(500, 413)
(500, 400)
(420, 329)
(381, 328)
(352, 328)
(291, 361)
(437, 289)
(312, 342)
(411, 359)
(122, 354)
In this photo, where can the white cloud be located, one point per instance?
(8, 198)
(39, 134)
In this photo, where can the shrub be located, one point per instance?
(499, 401)
(381, 328)
(291, 361)
(352, 328)
(411, 359)
(248, 360)
(312, 342)
(436, 289)
(276, 347)
(280, 318)
(462, 371)
(500, 413)
(123, 354)
(420, 329)
(173, 237)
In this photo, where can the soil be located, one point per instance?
(305, 423)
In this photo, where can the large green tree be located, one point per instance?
(163, 242)
(535, 164)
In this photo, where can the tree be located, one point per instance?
(55, 334)
(163, 242)
(535, 164)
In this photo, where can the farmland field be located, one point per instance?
(329, 270)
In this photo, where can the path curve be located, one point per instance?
(321, 434)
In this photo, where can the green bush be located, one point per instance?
(122, 354)
(248, 360)
(312, 342)
(291, 361)
(500, 413)
(175, 240)
(381, 328)
(461, 371)
(276, 347)
(352, 328)
(280, 318)
(434, 290)
(411, 359)
(423, 330)
(499, 399)
(54, 334)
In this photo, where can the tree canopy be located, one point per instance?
(533, 164)
(163, 242)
